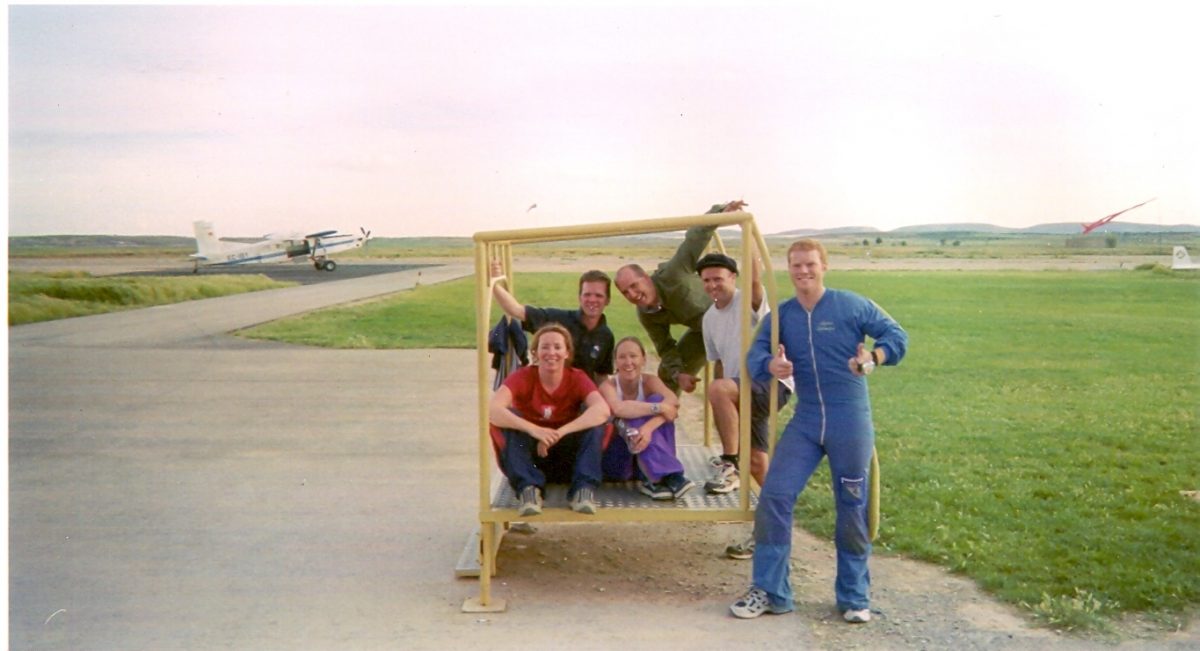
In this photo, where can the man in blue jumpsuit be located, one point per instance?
(821, 334)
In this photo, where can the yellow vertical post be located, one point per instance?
(746, 282)
(708, 415)
(709, 423)
(487, 551)
(772, 294)
(482, 272)
(873, 498)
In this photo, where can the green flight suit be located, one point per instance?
(683, 302)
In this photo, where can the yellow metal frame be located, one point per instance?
(491, 245)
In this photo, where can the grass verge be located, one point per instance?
(34, 297)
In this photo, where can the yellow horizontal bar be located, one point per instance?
(622, 514)
(636, 227)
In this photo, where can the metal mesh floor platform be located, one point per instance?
(625, 494)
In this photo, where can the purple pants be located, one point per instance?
(655, 462)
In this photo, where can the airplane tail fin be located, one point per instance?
(207, 244)
(1181, 260)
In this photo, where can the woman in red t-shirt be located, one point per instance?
(551, 418)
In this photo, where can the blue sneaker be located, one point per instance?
(654, 491)
(678, 484)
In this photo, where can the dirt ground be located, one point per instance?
(915, 605)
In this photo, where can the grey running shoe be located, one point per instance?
(754, 603)
(724, 479)
(531, 501)
(584, 501)
(741, 551)
(654, 491)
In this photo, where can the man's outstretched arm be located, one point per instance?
(504, 298)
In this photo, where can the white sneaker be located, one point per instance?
(754, 603)
(724, 479)
(857, 616)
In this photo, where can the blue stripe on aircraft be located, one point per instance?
(257, 258)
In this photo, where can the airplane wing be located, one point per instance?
(321, 234)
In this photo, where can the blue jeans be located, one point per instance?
(575, 459)
(800, 449)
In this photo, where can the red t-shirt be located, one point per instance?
(552, 410)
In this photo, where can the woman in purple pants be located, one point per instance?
(645, 410)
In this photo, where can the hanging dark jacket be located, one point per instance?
(504, 337)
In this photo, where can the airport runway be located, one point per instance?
(174, 488)
(302, 273)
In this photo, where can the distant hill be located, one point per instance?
(34, 242)
(1063, 228)
(840, 230)
(1069, 228)
(951, 228)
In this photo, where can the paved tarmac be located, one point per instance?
(172, 488)
(296, 272)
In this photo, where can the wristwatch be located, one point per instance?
(654, 408)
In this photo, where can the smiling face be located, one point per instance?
(593, 298)
(636, 288)
(630, 360)
(719, 284)
(552, 351)
(807, 271)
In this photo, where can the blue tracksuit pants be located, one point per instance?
(848, 441)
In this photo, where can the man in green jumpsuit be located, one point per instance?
(673, 294)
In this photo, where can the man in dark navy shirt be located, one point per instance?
(592, 339)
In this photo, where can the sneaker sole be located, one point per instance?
(739, 555)
(723, 488)
(743, 614)
(529, 511)
(857, 620)
(654, 496)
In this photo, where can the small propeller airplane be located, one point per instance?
(1180, 260)
(316, 247)
(1088, 228)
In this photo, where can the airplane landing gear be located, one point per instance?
(324, 263)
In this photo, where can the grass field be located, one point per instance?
(36, 297)
(950, 244)
(1036, 439)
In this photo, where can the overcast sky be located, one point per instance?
(418, 121)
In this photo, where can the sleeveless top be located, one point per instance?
(641, 394)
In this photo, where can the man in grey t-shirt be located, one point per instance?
(723, 346)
